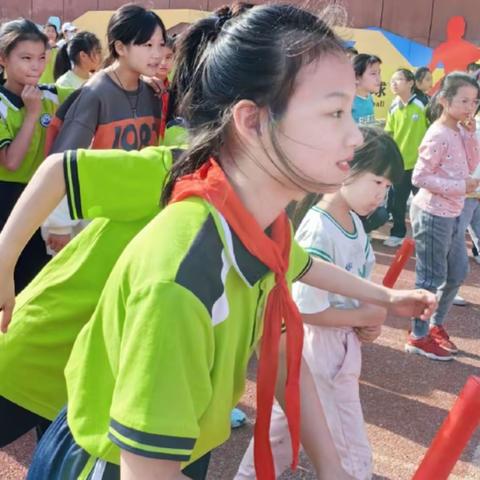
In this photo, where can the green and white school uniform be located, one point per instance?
(170, 340)
(407, 123)
(12, 116)
(124, 187)
(13, 182)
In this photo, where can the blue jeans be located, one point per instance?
(471, 220)
(58, 457)
(442, 261)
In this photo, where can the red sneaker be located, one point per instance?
(427, 347)
(440, 335)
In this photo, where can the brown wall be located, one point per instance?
(421, 20)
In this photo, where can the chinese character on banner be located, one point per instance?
(382, 92)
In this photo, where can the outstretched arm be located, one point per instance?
(41, 196)
(405, 303)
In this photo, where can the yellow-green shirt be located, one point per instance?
(407, 124)
(12, 116)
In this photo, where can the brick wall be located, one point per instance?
(421, 20)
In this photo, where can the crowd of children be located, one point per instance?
(164, 204)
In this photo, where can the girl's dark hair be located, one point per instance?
(16, 31)
(472, 67)
(379, 154)
(55, 28)
(362, 61)
(69, 53)
(243, 53)
(409, 76)
(421, 73)
(170, 42)
(131, 24)
(352, 51)
(449, 87)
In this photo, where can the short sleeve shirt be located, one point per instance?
(408, 124)
(77, 275)
(363, 110)
(97, 183)
(12, 115)
(71, 80)
(104, 116)
(170, 339)
(323, 237)
(175, 134)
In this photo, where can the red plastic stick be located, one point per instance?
(401, 258)
(454, 434)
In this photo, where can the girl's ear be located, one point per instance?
(442, 101)
(82, 56)
(120, 48)
(3, 60)
(246, 119)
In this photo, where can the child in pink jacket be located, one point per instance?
(448, 156)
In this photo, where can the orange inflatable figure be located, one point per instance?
(455, 53)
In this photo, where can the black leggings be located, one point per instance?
(198, 469)
(15, 421)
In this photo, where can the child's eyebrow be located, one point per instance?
(336, 95)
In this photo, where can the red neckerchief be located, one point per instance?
(209, 182)
(165, 99)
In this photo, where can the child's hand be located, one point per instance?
(57, 242)
(368, 334)
(412, 303)
(469, 125)
(156, 84)
(32, 99)
(372, 315)
(471, 184)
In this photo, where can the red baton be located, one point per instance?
(401, 258)
(454, 434)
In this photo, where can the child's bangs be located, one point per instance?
(145, 32)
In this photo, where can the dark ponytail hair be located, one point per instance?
(243, 53)
(131, 24)
(170, 42)
(57, 33)
(449, 87)
(188, 47)
(69, 53)
(421, 73)
(16, 31)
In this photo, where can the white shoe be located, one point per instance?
(459, 301)
(393, 242)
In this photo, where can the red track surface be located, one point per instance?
(405, 397)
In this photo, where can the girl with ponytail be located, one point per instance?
(154, 374)
(77, 60)
(448, 156)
